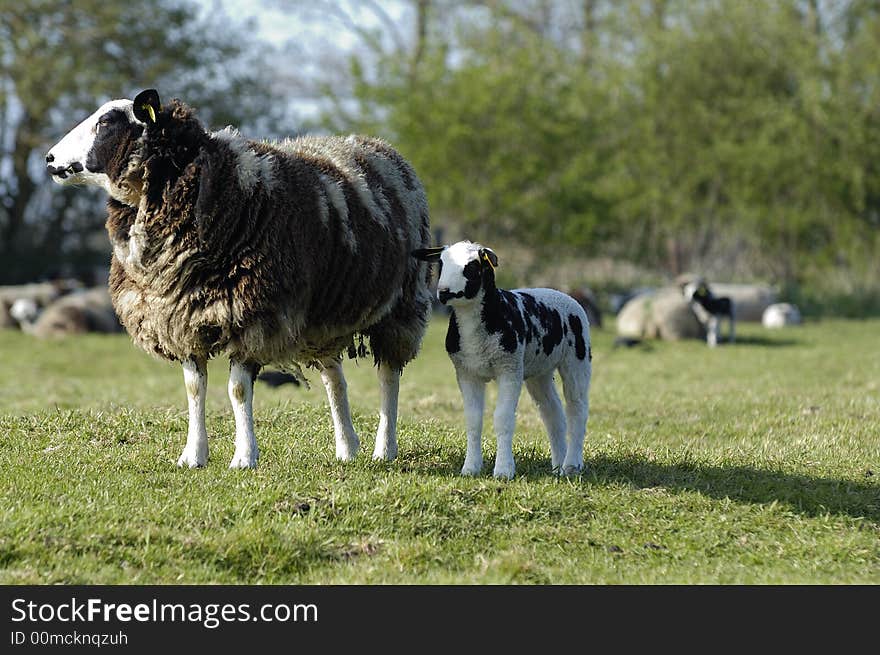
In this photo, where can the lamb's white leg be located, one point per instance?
(712, 331)
(195, 377)
(386, 435)
(576, 388)
(347, 443)
(473, 394)
(543, 392)
(241, 395)
(509, 387)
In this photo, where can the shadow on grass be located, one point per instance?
(808, 495)
(758, 340)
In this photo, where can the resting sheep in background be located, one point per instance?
(713, 310)
(270, 253)
(513, 336)
(88, 310)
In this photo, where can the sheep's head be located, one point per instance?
(104, 150)
(466, 270)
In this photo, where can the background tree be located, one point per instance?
(734, 138)
(58, 61)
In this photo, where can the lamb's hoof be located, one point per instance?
(193, 458)
(472, 469)
(570, 470)
(504, 471)
(347, 451)
(381, 454)
(246, 460)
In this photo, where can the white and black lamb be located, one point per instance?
(524, 335)
(270, 253)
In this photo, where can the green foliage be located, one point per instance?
(58, 62)
(767, 474)
(737, 138)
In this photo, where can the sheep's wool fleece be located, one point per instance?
(269, 252)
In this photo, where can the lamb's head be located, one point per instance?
(696, 291)
(467, 271)
(105, 149)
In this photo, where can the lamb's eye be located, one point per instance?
(472, 270)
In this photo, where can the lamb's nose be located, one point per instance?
(50, 158)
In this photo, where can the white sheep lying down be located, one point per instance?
(288, 253)
(515, 337)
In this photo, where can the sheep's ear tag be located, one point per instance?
(488, 261)
(146, 106)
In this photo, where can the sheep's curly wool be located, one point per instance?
(269, 252)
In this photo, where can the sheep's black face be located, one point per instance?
(97, 150)
(113, 141)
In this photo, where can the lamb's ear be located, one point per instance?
(428, 254)
(147, 106)
(489, 255)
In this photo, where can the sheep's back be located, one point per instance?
(301, 245)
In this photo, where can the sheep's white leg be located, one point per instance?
(543, 392)
(347, 443)
(386, 435)
(473, 394)
(576, 388)
(241, 395)
(509, 388)
(195, 377)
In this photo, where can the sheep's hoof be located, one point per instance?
(504, 471)
(472, 469)
(384, 454)
(247, 460)
(193, 458)
(346, 451)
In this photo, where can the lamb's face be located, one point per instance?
(695, 291)
(461, 273)
(96, 151)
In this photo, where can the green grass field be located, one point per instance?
(752, 463)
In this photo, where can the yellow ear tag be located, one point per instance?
(488, 261)
(150, 111)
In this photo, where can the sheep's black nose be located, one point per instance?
(50, 159)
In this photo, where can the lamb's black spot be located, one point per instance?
(530, 307)
(501, 315)
(551, 323)
(713, 304)
(580, 346)
(471, 273)
(453, 341)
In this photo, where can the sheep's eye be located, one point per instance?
(472, 270)
(106, 120)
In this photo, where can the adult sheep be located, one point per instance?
(282, 253)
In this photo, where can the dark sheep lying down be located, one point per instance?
(282, 253)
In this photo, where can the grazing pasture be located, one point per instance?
(757, 462)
